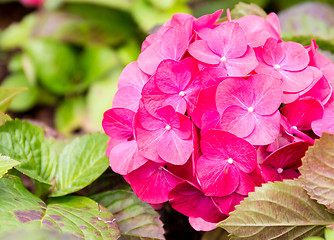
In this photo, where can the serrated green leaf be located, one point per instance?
(81, 162)
(243, 9)
(317, 170)
(7, 95)
(136, 219)
(78, 216)
(35, 233)
(25, 143)
(4, 118)
(280, 210)
(6, 163)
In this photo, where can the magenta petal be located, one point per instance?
(321, 91)
(190, 201)
(227, 204)
(168, 115)
(172, 77)
(266, 129)
(326, 123)
(117, 123)
(228, 39)
(150, 58)
(152, 182)
(207, 21)
(238, 121)
(217, 177)
(296, 56)
(132, 76)
(146, 120)
(248, 182)
(201, 225)
(124, 158)
(302, 113)
(221, 145)
(212, 76)
(201, 51)
(127, 97)
(174, 43)
(289, 174)
(174, 150)
(273, 52)
(242, 65)
(270, 174)
(298, 81)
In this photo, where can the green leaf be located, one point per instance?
(317, 170)
(78, 216)
(96, 61)
(123, 5)
(280, 210)
(70, 115)
(6, 163)
(307, 21)
(216, 234)
(35, 233)
(25, 100)
(56, 69)
(81, 162)
(7, 95)
(17, 33)
(4, 118)
(329, 233)
(25, 143)
(136, 219)
(99, 100)
(244, 9)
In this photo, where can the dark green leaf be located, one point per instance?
(280, 210)
(136, 219)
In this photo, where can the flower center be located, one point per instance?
(168, 127)
(182, 93)
(279, 170)
(223, 59)
(276, 66)
(294, 127)
(250, 109)
(230, 161)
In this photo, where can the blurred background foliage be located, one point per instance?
(67, 54)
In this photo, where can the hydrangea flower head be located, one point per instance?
(212, 109)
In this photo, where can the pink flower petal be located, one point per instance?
(201, 225)
(191, 201)
(242, 65)
(125, 158)
(326, 123)
(127, 97)
(132, 76)
(302, 113)
(248, 182)
(174, 43)
(296, 57)
(201, 51)
(117, 123)
(273, 52)
(152, 182)
(150, 58)
(227, 204)
(321, 91)
(207, 21)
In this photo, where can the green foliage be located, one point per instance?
(78, 216)
(7, 95)
(80, 163)
(280, 210)
(136, 219)
(28, 93)
(317, 171)
(6, 163)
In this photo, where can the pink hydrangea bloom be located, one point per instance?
(211, 110)
(32, 3)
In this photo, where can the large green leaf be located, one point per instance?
(7, 95)
(78, 216)
(216, 234)
(35, 233)
(80, 163)
(136, 219)
(280, 210)
(317, 171)
(6, 163)
(25, 143)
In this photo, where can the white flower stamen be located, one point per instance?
(230, 161)
(223, 59)
(250, 109)
(279, 170)
(182, 93)
(294, 127)
(168, 127)
(276, 66)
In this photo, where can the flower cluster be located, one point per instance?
(211, 109)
